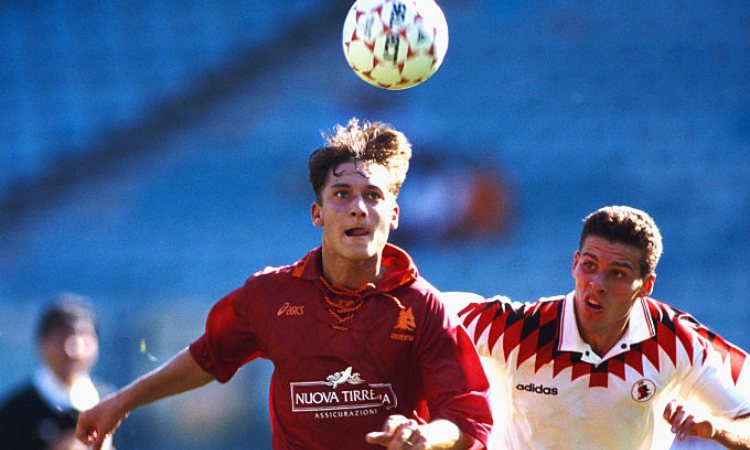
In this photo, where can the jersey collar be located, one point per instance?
(400, 270)
(640, 328)
(81, 396)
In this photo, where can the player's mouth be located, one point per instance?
(357, 232)
(593, 303)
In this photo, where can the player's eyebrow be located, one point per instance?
(347, 186)
(619, 263)
(590, 255)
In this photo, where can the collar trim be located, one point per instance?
(640, 328)
(400, 270)
(81, 396)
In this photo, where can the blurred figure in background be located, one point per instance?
(479, 193)
(42, 414)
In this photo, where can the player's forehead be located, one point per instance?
(359, 173)
(61, 336)
(611, 252)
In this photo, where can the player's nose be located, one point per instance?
(597, 282)
(358, 206)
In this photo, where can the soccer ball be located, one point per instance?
(395, 44)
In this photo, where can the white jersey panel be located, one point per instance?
(558, 396)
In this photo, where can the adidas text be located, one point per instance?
(531, 387)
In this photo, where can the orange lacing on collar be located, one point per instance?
(395, 300)
(343, 309)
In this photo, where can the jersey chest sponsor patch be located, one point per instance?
(342, 394)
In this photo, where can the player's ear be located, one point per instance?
(576, 257)
(648, 284)
(394, 217)
(316, 214)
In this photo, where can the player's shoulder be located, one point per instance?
(503, 309)
(18, 399)
(418, 292)
(459, 297)
(499, 300)
(671, 317)
(271, 274)
(688, 329)
(274, 271)
(541, 305)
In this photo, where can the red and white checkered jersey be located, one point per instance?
(556, 393)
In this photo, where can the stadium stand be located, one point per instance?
(153, 154)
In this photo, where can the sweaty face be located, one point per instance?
(608, 282)
(357, 211)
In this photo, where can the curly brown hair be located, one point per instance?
(626, 225)
(374, 142)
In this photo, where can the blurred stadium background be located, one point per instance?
(153, 156)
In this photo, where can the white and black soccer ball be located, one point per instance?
(395, 44)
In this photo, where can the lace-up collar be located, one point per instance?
(343, 303)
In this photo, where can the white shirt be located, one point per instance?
(558, 394)
(81, 396)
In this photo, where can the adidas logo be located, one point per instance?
(531, 387)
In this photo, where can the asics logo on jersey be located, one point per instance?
(537, 389)
(288, 309)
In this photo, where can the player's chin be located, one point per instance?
(359, 250)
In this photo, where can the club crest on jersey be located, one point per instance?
(342, 394)
(643, 390)
(405, 326)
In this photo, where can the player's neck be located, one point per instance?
(352, 274)
(602, 341)
(66, 378)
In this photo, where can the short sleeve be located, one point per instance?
(484, 323)
(229, 341)
(719, 376)
(455, 385)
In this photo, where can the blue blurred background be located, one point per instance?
(153, 156)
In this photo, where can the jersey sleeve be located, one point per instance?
(455, 385)
(229, 340)
(719, 376)
(485, 319)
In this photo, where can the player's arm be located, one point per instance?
(400, 433)
(178, 375)
(731, 433)
(477, 314)
(455, 387)
(455, 301)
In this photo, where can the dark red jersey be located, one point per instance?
(346, 360)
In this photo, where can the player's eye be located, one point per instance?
(340, 194)
(619, 274)
(374, 195)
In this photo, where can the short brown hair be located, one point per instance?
(374, 142)
(66, 312)
(626, 225)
